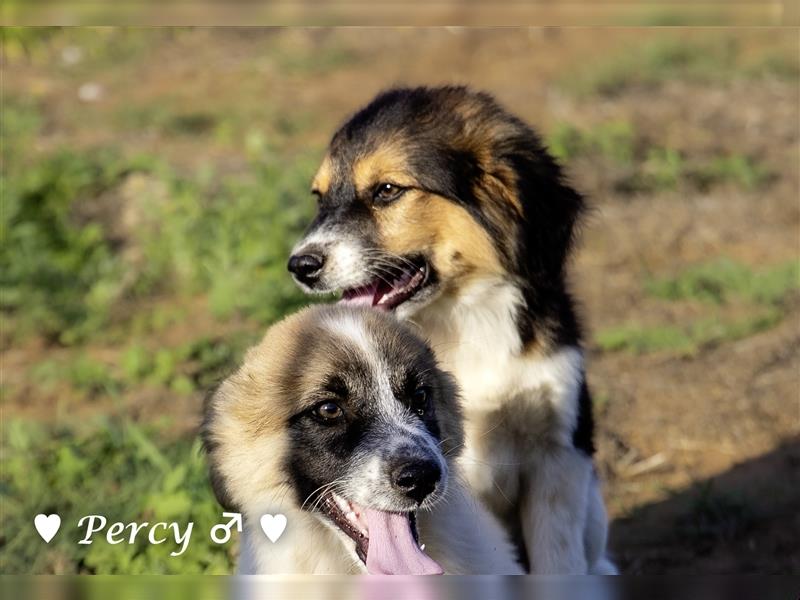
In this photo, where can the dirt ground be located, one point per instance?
(698, 451)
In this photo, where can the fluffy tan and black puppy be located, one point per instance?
(441, 206)
(341, 420)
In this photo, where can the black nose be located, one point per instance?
(416, 478)
(306, 267)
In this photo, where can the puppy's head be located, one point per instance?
(427, 189)
(343, 411)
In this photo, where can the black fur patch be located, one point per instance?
(583, 436)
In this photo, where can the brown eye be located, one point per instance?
(328, 411)
(420, 401)
(386, 192)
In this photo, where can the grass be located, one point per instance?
(716, 59)
(192, 366)
(133, 477)
(724, 280)
(81, 372)
(21, 121)
(651, 65)
(718, 282)
(63, 275)
(738, 169)
(669, 169)
(615, 140)
(59, 276)
(646, 168)
(684, 340)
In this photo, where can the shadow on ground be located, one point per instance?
(745, 520)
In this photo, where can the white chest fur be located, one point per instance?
(513, 402)
(475, 337)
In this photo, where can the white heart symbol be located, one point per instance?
(47, 526)
(273, 526)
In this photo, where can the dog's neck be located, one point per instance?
(476, 337)
(475, 331)
(482, 313)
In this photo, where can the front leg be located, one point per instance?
(553, 506)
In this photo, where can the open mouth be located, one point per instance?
(386, 542)
(393, 284)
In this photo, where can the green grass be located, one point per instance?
(716, 59)
(21, 121)
(122, 470)
(81, 372)
(663, 169)
(669, 169)
(647, 168)
(737, 169)
(614, 139)
(193, 366)
(718, 282)
(684, 340)
(26, 42)
(196, 365)
(59, 276)
(63, 276)
(723, 280)
(153, 320)
(71, 268)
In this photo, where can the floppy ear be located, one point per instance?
(551, 208)
(212, 449)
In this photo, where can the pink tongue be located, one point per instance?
(392, 549)
(363, 296)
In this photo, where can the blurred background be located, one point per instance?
(154, 180)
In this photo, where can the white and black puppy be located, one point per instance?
(439, 205)
(341, 420)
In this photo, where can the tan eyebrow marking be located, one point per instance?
(388, 163)
(322, 180)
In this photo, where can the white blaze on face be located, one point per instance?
(392, 548)
(399, 428)
(344, 259)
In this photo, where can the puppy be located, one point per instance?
(439, 205)
(341, 420)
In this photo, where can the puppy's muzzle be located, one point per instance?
(306, 267)
(415, 478)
